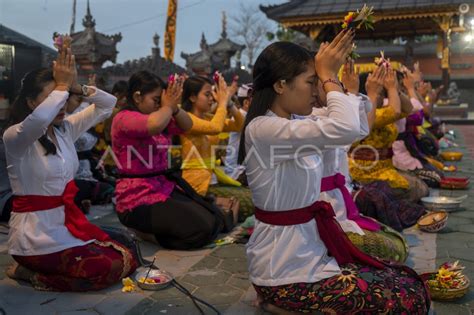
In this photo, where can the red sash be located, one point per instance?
(331, 233)
(75, 221)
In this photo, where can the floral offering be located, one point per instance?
(128, 285)
(449, 276)
(61, 41)
(382, 60)
(363, 17)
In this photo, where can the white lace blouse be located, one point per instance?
(31, 172)
(284, 172)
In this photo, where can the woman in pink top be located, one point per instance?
(147, 200)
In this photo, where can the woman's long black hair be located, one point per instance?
(279, 61)
(32, 85)
(143, 82)
(191, 87)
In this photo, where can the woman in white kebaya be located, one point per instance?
(300, 260)
(54, 245)
(367, 234)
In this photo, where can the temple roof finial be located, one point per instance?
(88, 20)
(224, 25)
(203, 43)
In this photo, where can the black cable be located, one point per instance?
(178, 286)
(187, 293)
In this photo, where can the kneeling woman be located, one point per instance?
(198, 143)
(299, 258)
(370, 236)
(51, 239)
(147, 199)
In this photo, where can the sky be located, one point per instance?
(137, 20)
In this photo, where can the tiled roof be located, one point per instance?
(7, 35)
(301, 8)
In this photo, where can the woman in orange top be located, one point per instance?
(198, 144)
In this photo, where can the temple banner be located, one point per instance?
(170, 33)
(445, 59)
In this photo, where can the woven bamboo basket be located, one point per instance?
(433, 222)
(447, 295)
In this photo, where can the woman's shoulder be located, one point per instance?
(263, 127)
(128, 113)
(125, 117)
(265, 119)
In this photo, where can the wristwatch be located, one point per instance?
(85, 90)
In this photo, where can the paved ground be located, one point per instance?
(219, 276)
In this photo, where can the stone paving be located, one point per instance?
(219, 276)
(456, 241)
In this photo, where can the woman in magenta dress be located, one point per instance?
(148, 200)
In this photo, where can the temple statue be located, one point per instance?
(453, 93)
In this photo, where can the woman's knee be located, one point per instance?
(200, 236)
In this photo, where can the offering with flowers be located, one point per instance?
(363, 17)
(449, 276)
(382, 60)
(128, 285)
(448, 283)
(61, 41)
(216, 76)
(153, 280)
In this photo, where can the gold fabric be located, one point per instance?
(383, 134)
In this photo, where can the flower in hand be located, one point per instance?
(61, 41)
(382, 60)
(363, 17)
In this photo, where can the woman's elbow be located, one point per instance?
(186, 126)
(351, 133)
(110, 102)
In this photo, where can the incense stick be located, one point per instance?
(149, 269)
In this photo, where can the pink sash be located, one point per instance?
(338, 181)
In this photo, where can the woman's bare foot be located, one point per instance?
(86, 205)
(272, 309)
(17, 272)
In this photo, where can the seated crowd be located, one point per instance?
(331, 168)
